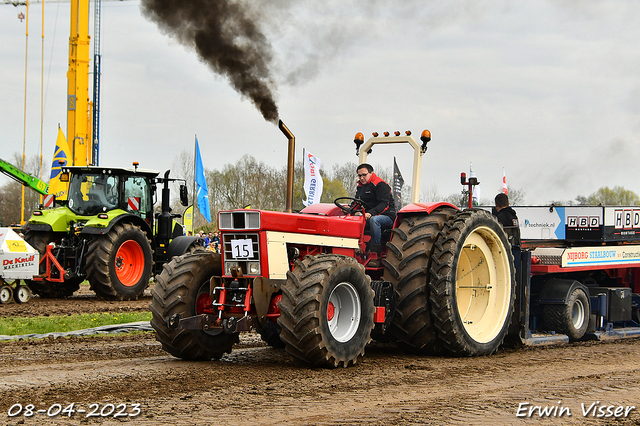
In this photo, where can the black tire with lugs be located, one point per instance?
(308, 310)
(103, 262)
(177, 289)
(406, 267)
(472, 284)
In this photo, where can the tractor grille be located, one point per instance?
(241, 250)
(242, 219)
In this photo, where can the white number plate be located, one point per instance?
(242, 249)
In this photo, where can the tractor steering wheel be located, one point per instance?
(355, 205)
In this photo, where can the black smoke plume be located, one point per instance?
(227, 39)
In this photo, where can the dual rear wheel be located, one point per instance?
(454, 277)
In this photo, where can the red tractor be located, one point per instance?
(306, 281)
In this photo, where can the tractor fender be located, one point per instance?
(413, 208)
(180, 245)
(556, 291)
(129, 218)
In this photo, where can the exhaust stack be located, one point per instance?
(290, 164)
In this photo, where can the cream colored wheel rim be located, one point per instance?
(483, 285)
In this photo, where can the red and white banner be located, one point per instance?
(504, 182)
(134, 203)
(48, 201)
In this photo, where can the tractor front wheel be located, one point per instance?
(183, 289)
(119, 263)
(326, 311)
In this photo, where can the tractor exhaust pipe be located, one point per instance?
(290, 164)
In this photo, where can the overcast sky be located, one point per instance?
(547, 90)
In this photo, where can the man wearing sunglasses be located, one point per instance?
(380, 210)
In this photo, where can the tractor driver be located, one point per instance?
(100, 191)
(380, 210)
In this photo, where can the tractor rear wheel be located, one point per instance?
(406, 267)
(119, 263)
(183, 289)
(48, 289)
(326, 311)
(472, 284)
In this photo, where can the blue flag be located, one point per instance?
(201, 184)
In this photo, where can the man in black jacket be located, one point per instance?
(508, 218)
(380, 210)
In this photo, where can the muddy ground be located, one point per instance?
(258, 385)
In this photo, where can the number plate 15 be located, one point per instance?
(242, 249)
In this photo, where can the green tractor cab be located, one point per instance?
(106, 232)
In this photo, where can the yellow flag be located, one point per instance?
(62, 154)
(188, 219)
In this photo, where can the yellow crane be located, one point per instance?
(79, 106)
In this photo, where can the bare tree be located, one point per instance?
(346, 173)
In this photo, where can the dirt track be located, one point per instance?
(258, 385)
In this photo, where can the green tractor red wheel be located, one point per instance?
(119, 263)
(129, 263)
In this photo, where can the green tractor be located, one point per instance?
(106, 232)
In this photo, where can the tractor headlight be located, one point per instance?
(253, 268)
(228, 266)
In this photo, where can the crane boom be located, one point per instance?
(24, 178)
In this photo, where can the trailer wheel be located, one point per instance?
(571, 319)
(119, 263)
(183, 289)
(472, 284)
(326, 311)
(6, 294)
(406, 267)
(22, 293)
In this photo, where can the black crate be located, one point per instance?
(618, 302)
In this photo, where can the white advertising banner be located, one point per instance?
(603, 255)
(312, 179)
